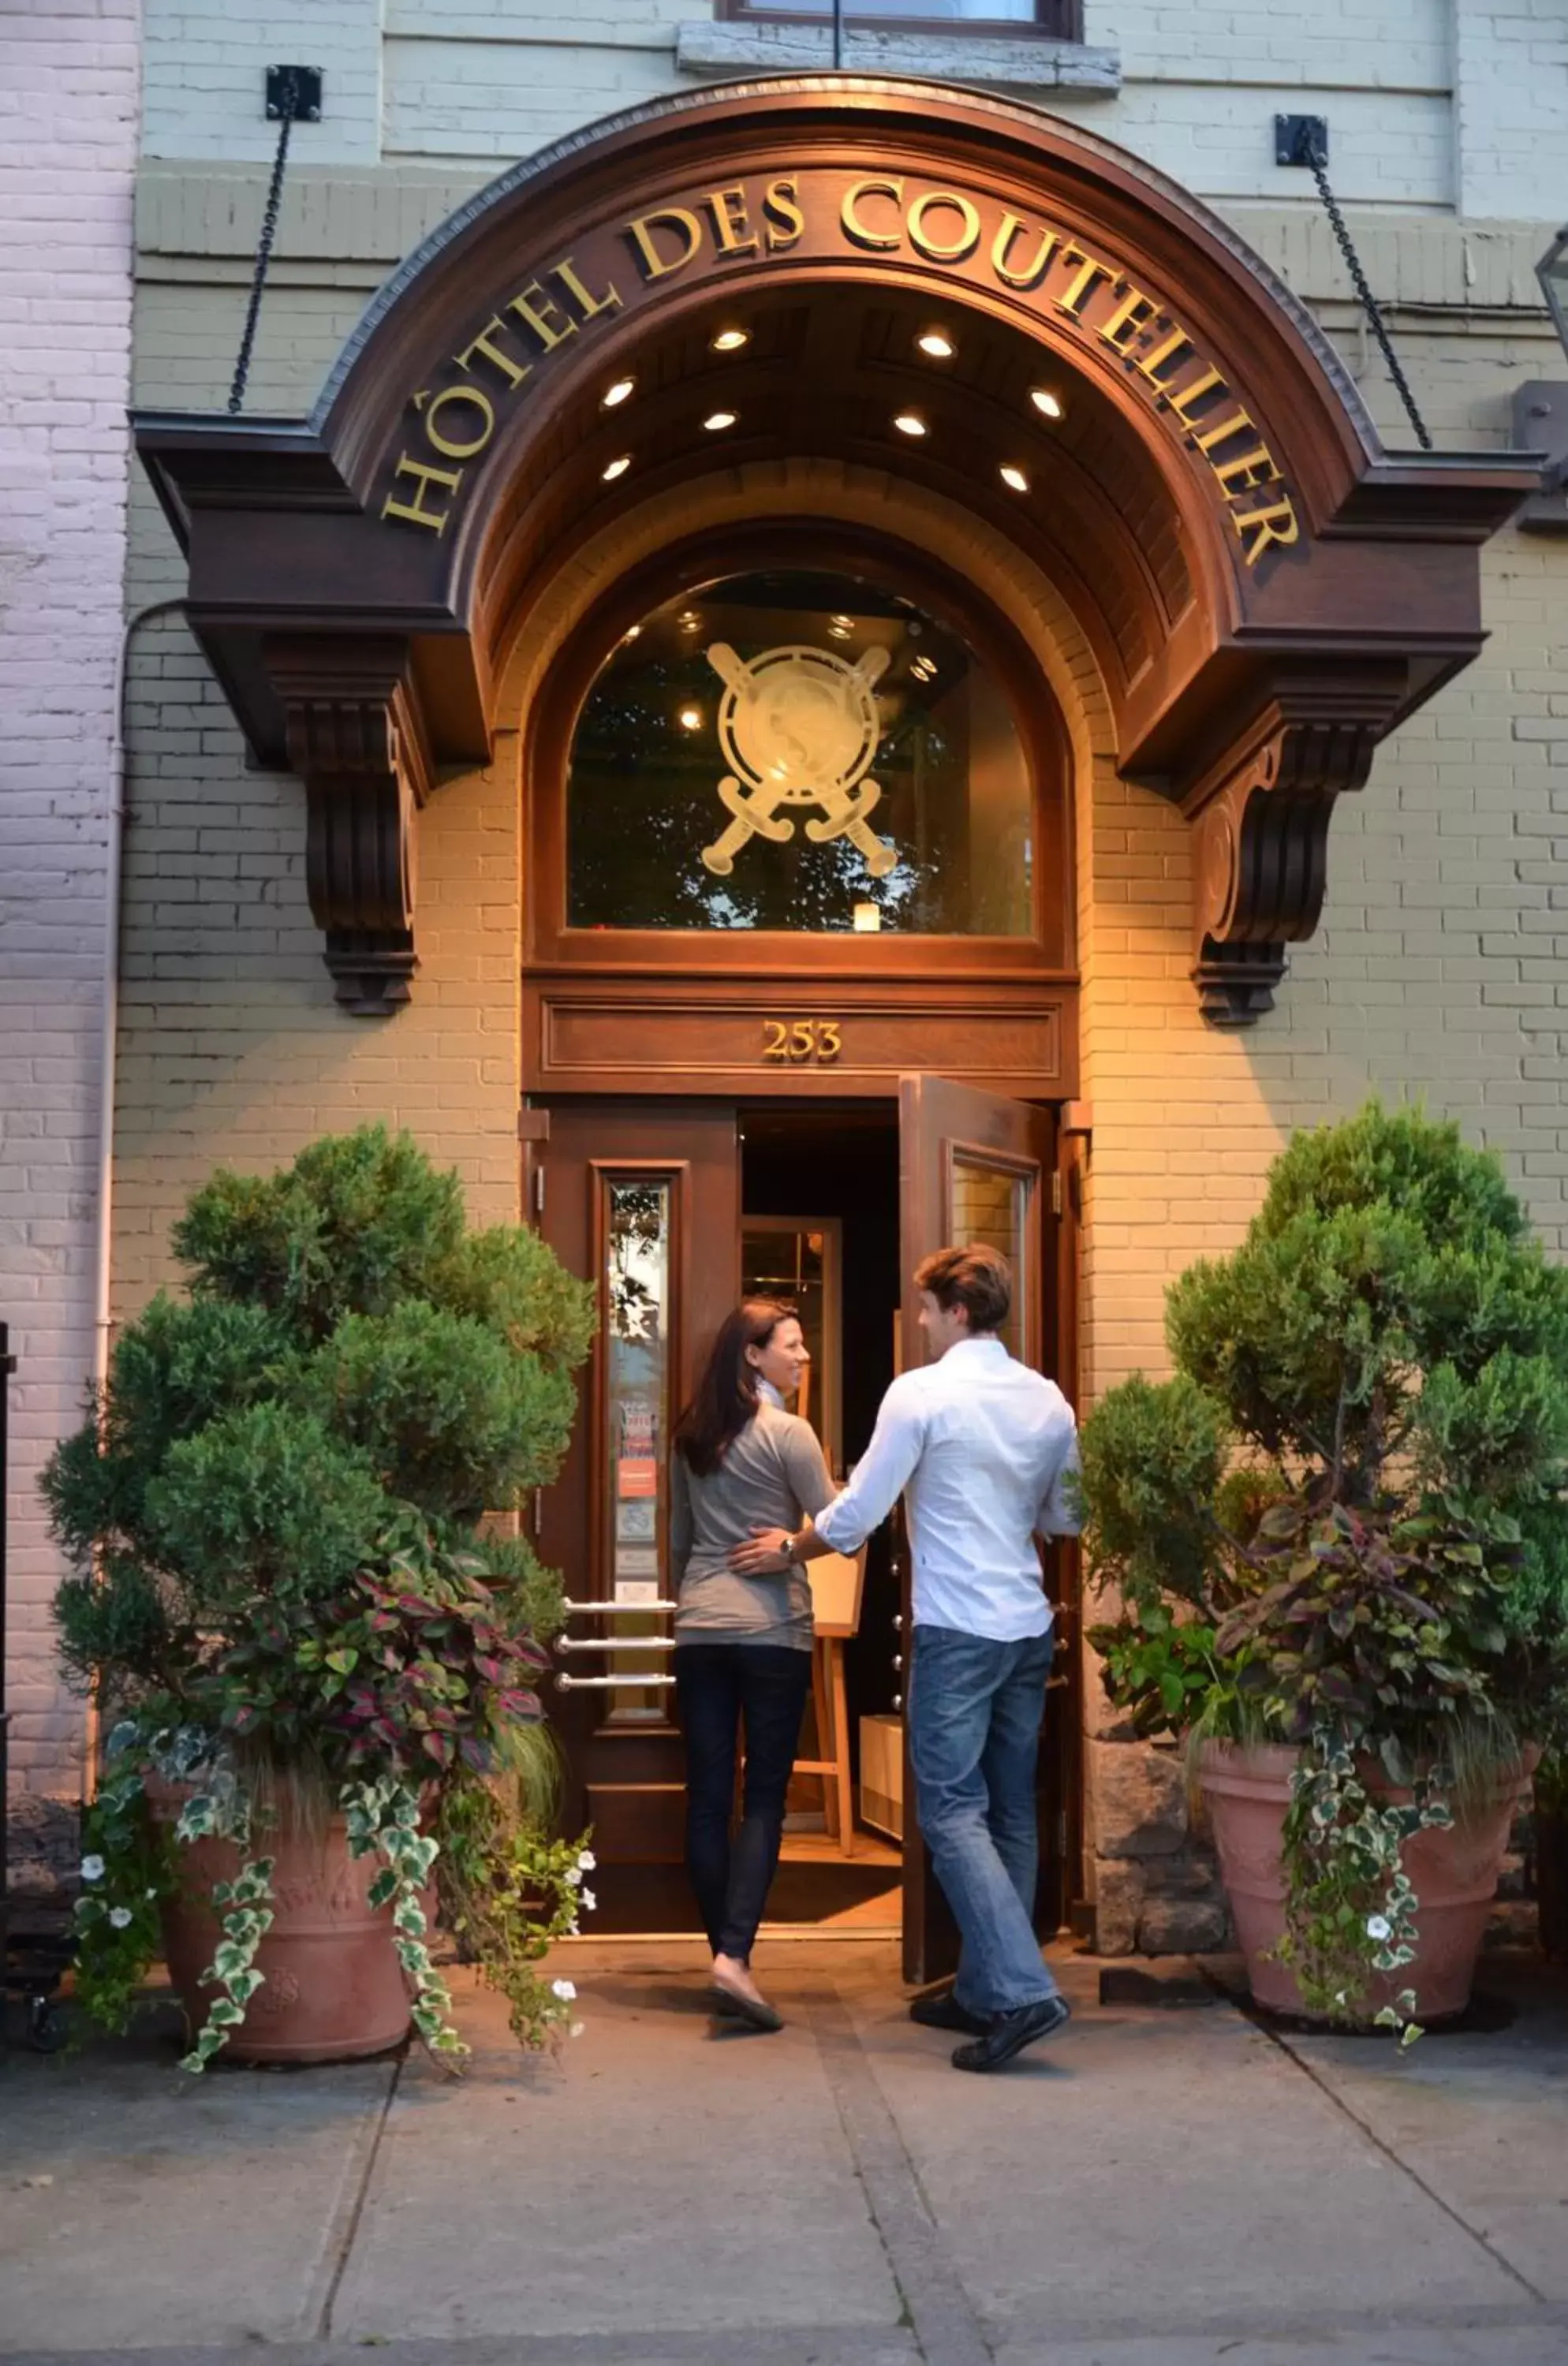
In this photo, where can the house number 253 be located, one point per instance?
(797, 1040)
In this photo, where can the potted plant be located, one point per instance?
(1333, 1550)
(315, 1657)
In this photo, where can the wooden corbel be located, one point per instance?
(356, 737)
(1260, 863)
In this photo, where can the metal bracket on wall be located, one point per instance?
(1298, 139)
(294, 94)
(1540, 425)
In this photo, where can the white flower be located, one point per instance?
(577, 2028)
(587, 1860)
(575, 1878)
(1379, 1927)
(565, 1990)
(589, 1901)
(92, 1868)
(119, 1916)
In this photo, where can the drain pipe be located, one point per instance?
(109, 1029)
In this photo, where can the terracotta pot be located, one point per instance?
(1454, 1873)
(332, 1987)
(1551, 1877)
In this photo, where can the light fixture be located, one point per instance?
(729, 341)
(909, 423)
(923, 669)
(617, 468)
(615, 394)
(865, 920)
(1013, 477)
(690, 718)
(1047, 404)
(688, 620)
(841, 627)
(718, 420)
(631, 633)
(1552, 273)
(937, 345)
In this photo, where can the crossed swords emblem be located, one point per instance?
(800, 728)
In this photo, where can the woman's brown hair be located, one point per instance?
(726, 1396)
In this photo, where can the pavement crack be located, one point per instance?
(1458, 2218)
(350, 2235)
(935, 2306)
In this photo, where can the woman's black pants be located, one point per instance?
(718, 1686)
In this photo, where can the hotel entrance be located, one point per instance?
(675, 1209)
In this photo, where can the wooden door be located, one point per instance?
(976, 1168)
(644, 1200)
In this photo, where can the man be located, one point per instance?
(981, 1449)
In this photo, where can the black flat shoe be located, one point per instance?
(1008, 2034)
(943, 2010)
(736, 2007)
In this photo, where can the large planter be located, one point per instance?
(1454, 1873)
(1551, 1877)
(331, 1985)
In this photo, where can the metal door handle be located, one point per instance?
(565, 1682)
(616, 1643)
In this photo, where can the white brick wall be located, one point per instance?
(1512, 105)
(205, 73)
(68, 102)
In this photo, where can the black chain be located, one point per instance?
(1369, 302)
(289, 100)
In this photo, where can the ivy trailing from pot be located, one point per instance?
(1337, 1532)
(289, 1600)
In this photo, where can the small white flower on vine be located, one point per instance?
(587, 1860)
(565, 1990)
(589, 1901)
(1379, 1927)
(575, 1878)
(577, 2028)
(151, 1893)
(119, 1916)
(92, 1868)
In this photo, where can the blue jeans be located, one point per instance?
(976, 1709)
(718, 1686)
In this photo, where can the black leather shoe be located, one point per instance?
(1008, 2034)
(942, 2010)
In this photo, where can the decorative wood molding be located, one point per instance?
(356, 737)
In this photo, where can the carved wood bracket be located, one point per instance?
(1260, 862)
(356, 737)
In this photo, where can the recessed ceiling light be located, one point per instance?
(841, 627)
(616, 469)
(631, 632)
(690, 718)
(1014, 479)
(718, 420)
(937, 344)
(729, 341)
(1047, 404)
(688, 620)
(909, 423)
(617, 393)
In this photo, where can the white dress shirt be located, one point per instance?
(980, 1448)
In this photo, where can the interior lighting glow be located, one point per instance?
(616, 469)
(937, 344)
(616, 394)
(841, 627)
(1014, 479)
(717, 421)
(729, 341)
(909, 423)
(631, 632)
(690, 718)
(1047, 404)
(688, 620)
(865, 920)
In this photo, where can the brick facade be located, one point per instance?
(68, 108)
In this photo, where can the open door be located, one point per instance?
(976, 1168)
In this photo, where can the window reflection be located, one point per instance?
(637, 1390)
(797, 751)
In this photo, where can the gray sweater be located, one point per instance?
(773, 1476)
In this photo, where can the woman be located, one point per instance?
(742, 1644)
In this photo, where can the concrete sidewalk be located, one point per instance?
(1161, 2186)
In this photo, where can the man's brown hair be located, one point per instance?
(978, 1279)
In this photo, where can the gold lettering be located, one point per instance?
(654, 266)
(455, 447)
(1278, 523)
(848, 213)
(589, 306)
(1253, 468)
(1182, 402)
(415, 510)
(1134, 312)
(1151, 365)
(730, 226)
(1083, 281)
(969, 237)
(1235, 425)
(1010, 225)
(514, 372)
(539, 310)
(784, 219)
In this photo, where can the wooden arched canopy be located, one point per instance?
(1266, 591)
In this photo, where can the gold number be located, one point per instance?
(802, 1039)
